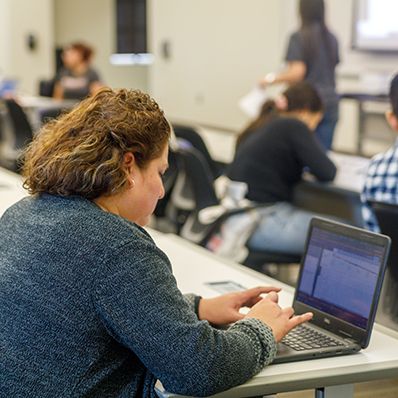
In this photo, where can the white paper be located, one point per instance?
(226, 286)
(252, 102)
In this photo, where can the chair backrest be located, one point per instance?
(191, 135)
(22, 128)
(15, 133)
(200, 177)
(387, 217)
(193, 188)
(46, 87)
(169, 180)
(47, 114)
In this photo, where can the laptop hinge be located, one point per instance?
(347, 337)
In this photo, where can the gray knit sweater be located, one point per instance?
(89, 307)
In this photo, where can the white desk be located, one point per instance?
(339, 198)
(331, 377)
(10, 189)
(33, 105)
(350, 171)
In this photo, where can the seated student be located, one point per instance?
(381, 182)
(76, 79)
(89, 306)
(271, 155)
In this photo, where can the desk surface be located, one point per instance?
(194, 266)
(350, 176)
(382, 97)
(350, 171)
(45, 102)
(339, 198)
(34, 106)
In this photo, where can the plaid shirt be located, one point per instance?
(381, 184)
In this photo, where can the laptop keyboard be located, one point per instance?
(303, 338)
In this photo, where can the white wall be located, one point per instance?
(4, 36)
(19, 19)
(94, 22)
(219, 48)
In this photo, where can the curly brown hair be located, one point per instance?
(81, 152)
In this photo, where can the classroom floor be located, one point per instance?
(373, 389)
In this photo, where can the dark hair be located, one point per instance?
(85, 51)
(394, 95)
(299, 96)
(313, 12)
(81, 152)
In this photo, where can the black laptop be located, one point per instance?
(340, 279)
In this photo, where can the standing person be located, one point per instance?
(381, 179)
(89, 306)
(76, 79)
(271, 155)
(312, 55)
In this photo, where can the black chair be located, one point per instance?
(192, 172)
(195, 193)
(191, 135)
(387, 218)
(169, 179)
(16, 133)
(46, 87)
(47, 114)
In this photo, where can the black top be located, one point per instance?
(272, 159)
(320, 68)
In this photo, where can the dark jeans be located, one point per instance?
(324, 131)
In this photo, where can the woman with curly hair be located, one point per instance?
(89, 306)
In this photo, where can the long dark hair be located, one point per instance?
(313, 12)
(297, 97)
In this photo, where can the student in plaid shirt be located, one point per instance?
(381, 181)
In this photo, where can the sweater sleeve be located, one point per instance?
(310, 153)
(193, 302)
(139, 303)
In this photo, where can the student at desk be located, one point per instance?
(89, 306)
(271, 154)
(76, 79)
(381, 179)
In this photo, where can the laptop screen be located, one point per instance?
(340, 275)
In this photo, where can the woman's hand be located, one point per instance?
(269, 78)
(224, 309)
(278, 319)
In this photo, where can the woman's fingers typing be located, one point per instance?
(281, 321)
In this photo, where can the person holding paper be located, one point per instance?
(312, 55)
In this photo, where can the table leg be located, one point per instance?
(345, 391)
(361, 128)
